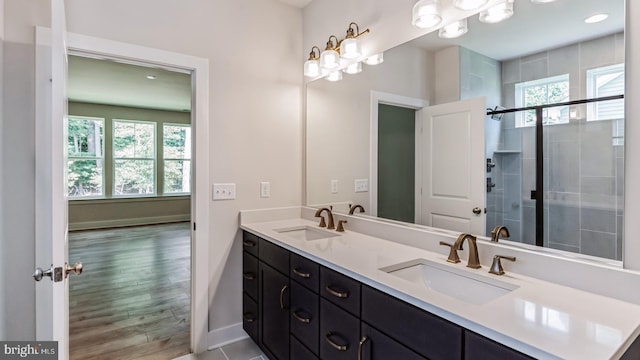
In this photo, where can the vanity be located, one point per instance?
(313, 293)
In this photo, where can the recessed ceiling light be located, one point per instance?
(596, 18)
(151, 77)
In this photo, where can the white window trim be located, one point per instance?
(591, 76)
(175, 159)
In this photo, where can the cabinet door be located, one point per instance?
(340, 290)
(427, 334)
(374, 345)
(250, 243)
(339, 333)
(300, 352)
(480, 348)
(275, 313)
(305, 319)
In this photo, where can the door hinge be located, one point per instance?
(194, 226)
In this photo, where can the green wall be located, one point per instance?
(396, 163)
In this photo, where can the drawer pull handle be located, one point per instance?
(301, 274)
(336, 293)
(249, 276)
(284, 288)
(302, 319)
(335, 346)
(361, 345)
(248, 317)
(248, 243)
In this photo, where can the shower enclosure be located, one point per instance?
(556, 176)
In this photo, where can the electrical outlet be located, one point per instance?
(224, 191)
(334, 186)
(265, 189)
(361, 185)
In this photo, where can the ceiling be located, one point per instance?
(113, 83)
(534, 27)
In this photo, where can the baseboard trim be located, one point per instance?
(226, 335)
(105, 224)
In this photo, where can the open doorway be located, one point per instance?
(129, 145)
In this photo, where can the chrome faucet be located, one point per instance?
(499, 231)
(330, 225)
(473, 261)
(353, 208)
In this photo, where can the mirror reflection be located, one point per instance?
(409, 139)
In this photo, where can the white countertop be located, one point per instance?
(541, 319)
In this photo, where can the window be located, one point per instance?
(134, 158)
(85, 149)
(605, 81)
(549, 90)
(177, 158)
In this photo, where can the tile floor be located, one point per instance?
(241, 350)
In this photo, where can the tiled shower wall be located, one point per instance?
(583, 169)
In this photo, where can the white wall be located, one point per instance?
(255, 109)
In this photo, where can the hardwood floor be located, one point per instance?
(132, 299)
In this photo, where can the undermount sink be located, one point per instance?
(458, 283)
(306, 233)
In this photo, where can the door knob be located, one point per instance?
(477, 210)
(55, 273)
(76, 268)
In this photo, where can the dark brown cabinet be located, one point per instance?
(297, 309)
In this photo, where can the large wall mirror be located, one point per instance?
(401, 137)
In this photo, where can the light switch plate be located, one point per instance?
(224, 191)
(334, 186)
(265, 189)
(361, 185)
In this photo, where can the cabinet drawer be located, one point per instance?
(305, 271)
(250, 243)
(339, 333)
(377, 346)
(250, 275)
(340, 289)
(480, 348)
(274, 255)
(250, 317)
(305, 319)
(425, 333)
(299, 352)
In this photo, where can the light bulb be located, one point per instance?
(329, 59)
(353, 68)
(497, 13)
(453, 30)
(350, 48)
(426, 14)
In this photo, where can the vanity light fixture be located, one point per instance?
(453, 30)
(353, 68)
(596, 18)
(426, 14)
(469, 4)
(312, 66)
(329, 58)
(334, 76)
(350, 46)
(374, 59)
(497, 13)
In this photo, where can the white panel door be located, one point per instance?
(51, 190)
(453, 171)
